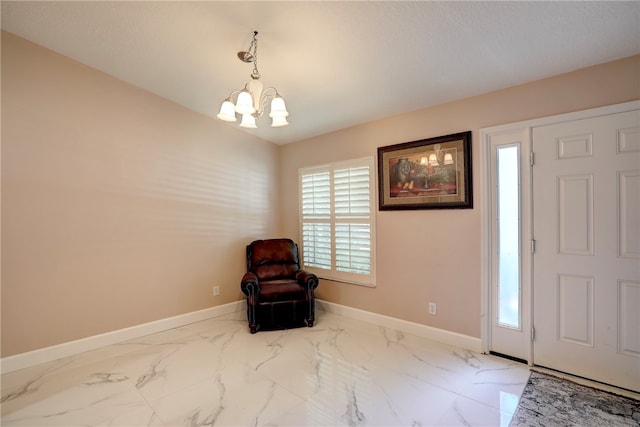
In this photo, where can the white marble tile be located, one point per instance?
(340, 372)
(317, 360)
(105, 401)
(305, 414)
(482, 378)
(163, 369)
(236, 395)
(406, 403)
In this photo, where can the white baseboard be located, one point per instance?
(424, 331)
(47, 354)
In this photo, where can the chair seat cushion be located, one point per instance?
(281, 290)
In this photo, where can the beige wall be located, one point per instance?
(435, 256)
(118, 207)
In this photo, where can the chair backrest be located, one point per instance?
(273, 259)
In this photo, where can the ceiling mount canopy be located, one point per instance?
(251, 101)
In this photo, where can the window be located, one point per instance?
(337, 220)
(508, 234)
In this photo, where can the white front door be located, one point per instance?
(586, 267)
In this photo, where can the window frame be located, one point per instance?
(333, 219)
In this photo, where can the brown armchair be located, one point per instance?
(279, 294)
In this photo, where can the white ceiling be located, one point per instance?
(337, 64)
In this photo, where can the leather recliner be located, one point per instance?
(279, 294)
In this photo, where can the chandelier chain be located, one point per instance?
(255, 74)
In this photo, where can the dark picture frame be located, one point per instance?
(433, 173)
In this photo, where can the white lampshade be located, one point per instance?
(227, 111)
(248, 121)
(278, 108)
(244, 105)
(279, 122)
(448, 159)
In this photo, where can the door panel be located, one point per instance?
(586, 223)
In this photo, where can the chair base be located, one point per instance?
(255, 327)
(274, 315)
(280, 315)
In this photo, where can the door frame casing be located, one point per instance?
(487, 251)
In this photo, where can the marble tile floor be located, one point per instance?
(215, 373)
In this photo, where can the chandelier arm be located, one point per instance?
(230, 97)
(272, 89)
(267, 95)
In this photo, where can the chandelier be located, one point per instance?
(251, 101)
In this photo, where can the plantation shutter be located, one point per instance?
(353, 215)
(316, 219)
(337, 220)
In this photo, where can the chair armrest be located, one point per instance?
(249, 284)
(307, 280)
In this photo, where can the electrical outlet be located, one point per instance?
(216, 291)
(433, 308)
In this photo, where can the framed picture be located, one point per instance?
(432, 173)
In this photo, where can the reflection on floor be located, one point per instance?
(340, 372)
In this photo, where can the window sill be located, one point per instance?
(348, 282)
